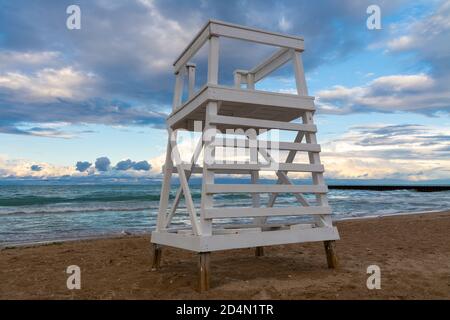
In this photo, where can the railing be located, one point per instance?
(290, 48)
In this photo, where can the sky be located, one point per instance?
(92, 102)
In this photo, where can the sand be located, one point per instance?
(413, 252)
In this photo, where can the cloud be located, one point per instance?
(416, 93)
(22, 168)
(128, 164)
(406, 151)
(117, 68)
(142, 166)
(124, 165)
(102, 164)
(35, 167)
(428, 38)
(82, 166)
(401, 43)
(46, 85)
(19, 60)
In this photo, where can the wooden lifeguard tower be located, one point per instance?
(220, 108)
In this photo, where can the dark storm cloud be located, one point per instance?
(102, 164)
(129, 164)
(124, 165)
(142, 166)
(82, 166)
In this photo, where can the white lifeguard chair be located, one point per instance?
(221, 108)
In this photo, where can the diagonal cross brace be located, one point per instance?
(185, 187)
(176, 201)
(282, 176)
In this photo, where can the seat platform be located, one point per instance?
(235, 102)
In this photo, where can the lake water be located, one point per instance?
(39, 213)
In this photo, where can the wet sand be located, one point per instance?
(413, 252)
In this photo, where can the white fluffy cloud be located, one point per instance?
(412, 152)
(417, 92)
(47, 84)
(17, 59)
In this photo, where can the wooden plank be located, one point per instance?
(282, 176)
(165, 187)
(262, 98)
(275, 61)
(204, 271)
(185, 186)
(330, 250)
(302, 90)
(191, 79)
(262, 124)
(237, 142)
(199, 170)
(213, 61)
(156, 253)
(178, 91)
(229, 30)
(207, 200)
(297, 167)
(238, 96)
(189, 172)
(244, 240)
(265, 188)
(217, 213)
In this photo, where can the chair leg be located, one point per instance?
(156, 253)
(330, 250)
(204, 271)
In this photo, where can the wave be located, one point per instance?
(67, 209)
(45, 200)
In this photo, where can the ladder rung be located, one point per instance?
(297, 167)
(245, 143)
(264, 188)
(217, 213)
(265, 124)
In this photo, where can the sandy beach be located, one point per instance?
(413, 252)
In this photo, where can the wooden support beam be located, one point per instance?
(185, 186)
(275, 61)
(217, 213)
(213, 61)
(191, 79)
(259, 251)
(165, 187)
(189, 172)
(265, 188)
(178, 91)
(262, 124)
(297, 167)
(302, 89)
(229, 30)
(156, 253)
(330, 250)
(294, 146)
(204, 271)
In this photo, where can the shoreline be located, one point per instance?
(411, 250)
(148, 233)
